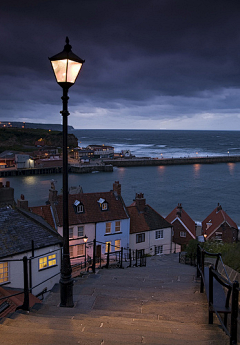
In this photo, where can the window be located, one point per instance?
(117, 245)
(70, 232)
(106, 246)
(158, 250)
(159, 234)
(71, 251)
(117, 226)
(140, 238)
(80, 231)
(182, 234)
(3, 272)
(80, 209)
(108, 228)
(47, 261)
(104, 206)
(80, 249)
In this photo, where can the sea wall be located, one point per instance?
(131, 162)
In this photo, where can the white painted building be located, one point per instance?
(150, 233)
(22, 236)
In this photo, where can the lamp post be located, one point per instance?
(85, 238)
(66, 67)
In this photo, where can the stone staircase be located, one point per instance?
(156, 304)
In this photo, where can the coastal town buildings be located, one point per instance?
(219, 226)
(150, 233)
(184, 228)
(101, 216)
(26, 235)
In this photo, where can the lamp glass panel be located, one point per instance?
(73, 71)
(60, 68)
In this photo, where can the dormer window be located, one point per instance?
(103, 204)
(78, 206)
(80, 209)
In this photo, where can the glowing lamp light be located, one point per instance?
(85, 238)
(66, 66)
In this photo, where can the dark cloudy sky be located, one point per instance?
(153, 64)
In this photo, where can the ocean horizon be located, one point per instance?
(198, 187)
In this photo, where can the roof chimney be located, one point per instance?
(219, 207)
(117, 188)
(179, 210)
(52, 193)
(140, 201)
(22, 203)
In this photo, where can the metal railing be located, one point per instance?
(27, 279)
(229, 300)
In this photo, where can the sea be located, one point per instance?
(199, 187)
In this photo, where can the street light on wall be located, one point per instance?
(66, 67)
(85, 238)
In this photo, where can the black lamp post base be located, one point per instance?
(66, 293)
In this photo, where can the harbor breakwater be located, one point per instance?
(122, 162)
(134, 162)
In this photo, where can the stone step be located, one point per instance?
(106, 330)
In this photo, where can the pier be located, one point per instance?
(135, 162)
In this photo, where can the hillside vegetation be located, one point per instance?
(24, 138)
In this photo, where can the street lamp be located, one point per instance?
(85, 238)
(66, 67)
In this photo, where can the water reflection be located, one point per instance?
(196, 168)
(231, 167)
(161, 169)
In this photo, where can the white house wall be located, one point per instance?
(150, 241)
(16, 270)
(89, 231)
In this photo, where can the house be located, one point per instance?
(184, 228)
(23, 234)
(102, 151)
(150, 233)
(101, 216)
(23, 161)
(219, 226)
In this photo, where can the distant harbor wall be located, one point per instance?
(55, 170)
(134, 162)
(122, 162)
(91, 168)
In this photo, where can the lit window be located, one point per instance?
(159, 234)
(140, 238)
(3, 272)
(117, 245)
(47, 261)
(80, 249)
(70, 232)
(104, 206)
(80, 231)
(182, 234)
(106, 246)
(158, 250)
(108, 228)
(117, 226)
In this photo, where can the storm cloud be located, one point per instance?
(149, 64)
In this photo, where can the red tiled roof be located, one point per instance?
(92, 210)
(14, 301)
(147, 220)
(45, 213)
(216, 218)
(184, 218)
